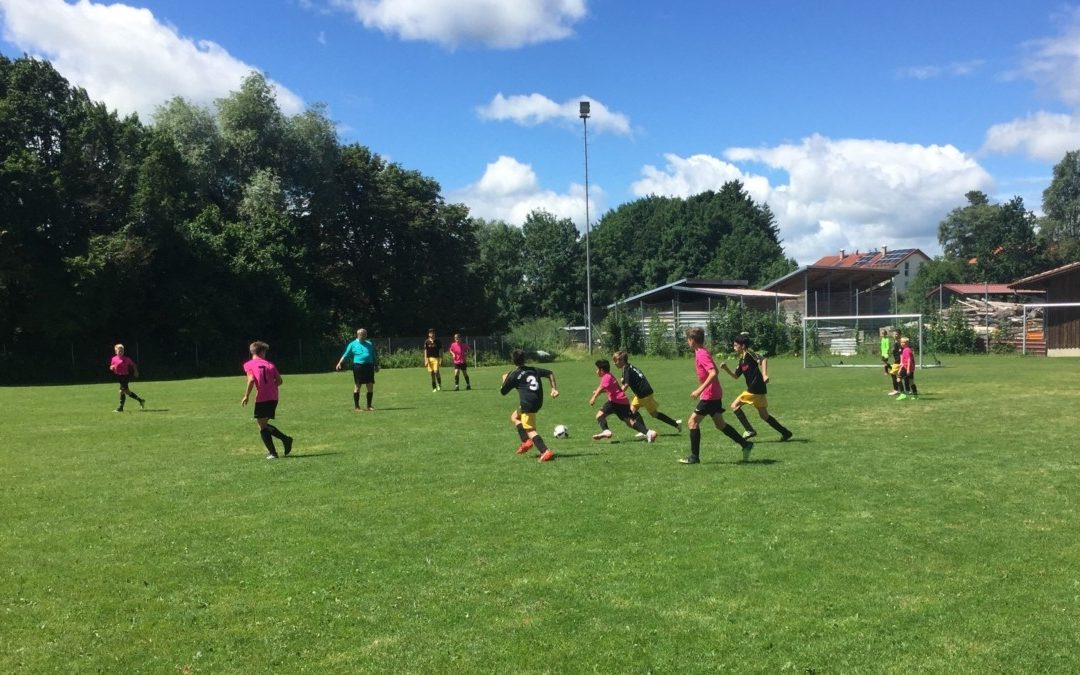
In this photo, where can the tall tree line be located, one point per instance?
(236, 220)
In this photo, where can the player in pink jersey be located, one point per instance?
(907, 372)
(264, 377)
(617, 404)
(460, 352)
(708, 395)
(124, 368)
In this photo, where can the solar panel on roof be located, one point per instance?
(895, 256)
(865, 259)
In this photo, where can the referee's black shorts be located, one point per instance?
(363, 373)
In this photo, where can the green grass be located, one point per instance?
(939, 534)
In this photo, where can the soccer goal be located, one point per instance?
(855, 341)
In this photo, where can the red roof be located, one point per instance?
(975, 289)
(889, 259)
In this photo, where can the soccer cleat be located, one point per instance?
(438, 387)
(433, 390)
(272, 456)
(650, 437)
(914, 397)
(639, 435)
(606, 433)
(356, 409)
(455, 387)
(746, 452)
(901, 397)
(468, 387)
(526, 446)
(678, 426)
(786, 436)
(690, 459)
(893, 392)
(119, 410)
(288, 445)
(142, 403)
(749, 434)
(370, 409)
(547, 456)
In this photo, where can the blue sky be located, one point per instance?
(861, 124)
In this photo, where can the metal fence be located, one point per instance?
(79, 362)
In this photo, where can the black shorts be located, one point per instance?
(463, 367)
(122, 380)
(709, 408)
(363, 373)
(265, 409)
(621, 410)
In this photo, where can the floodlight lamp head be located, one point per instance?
(583, 109)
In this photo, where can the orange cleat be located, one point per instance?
(525, 446)
(547, 456)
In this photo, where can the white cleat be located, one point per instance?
(651, 436)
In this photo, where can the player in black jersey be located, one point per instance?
(756, 390)
(526, 379)
(635, 380)
(432, 358)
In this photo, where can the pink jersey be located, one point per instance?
(704, 363)
(907, 359)
(266, 378)
(614, 391)
(460, 350)
(121, 365)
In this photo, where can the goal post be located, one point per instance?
(855, 341)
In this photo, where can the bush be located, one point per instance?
(770, 334)
(953, 335)
(660, 341)
(621, 330)
(539, 335)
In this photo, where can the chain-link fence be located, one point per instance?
(66, 362)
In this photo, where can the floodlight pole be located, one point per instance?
(583, 112)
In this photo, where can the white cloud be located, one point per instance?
(954, 69)
(533, 109)
(500, 24)
(851, 193)
(509, 190)
(125, 57)
(1053, 64)
(1043, 135)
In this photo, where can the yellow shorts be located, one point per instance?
(759, 401)
(528, 420)
(894, 369)
(649, 403)
(432, 364)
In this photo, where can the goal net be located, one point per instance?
(855, 341)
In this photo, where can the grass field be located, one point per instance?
(936, 535)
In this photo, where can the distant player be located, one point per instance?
(617, 404)
(708, 394)
(894, 368)
(907, 371)
(124, 368)
(752, 369)
(432, 357)
(526, 379)
(635, 380)
(460, 351)
(365, 361)
(264, 377)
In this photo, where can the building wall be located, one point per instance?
(908, 269)
(1063, 323)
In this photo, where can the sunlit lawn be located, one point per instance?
(939, 534)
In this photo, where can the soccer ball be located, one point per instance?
(561, 431)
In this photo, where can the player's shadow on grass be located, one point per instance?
(575, 455)
(758, 462)
(154, 410)
(306, 455)
(379, 410)
(790, 441)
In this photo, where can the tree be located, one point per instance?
(1059, 229)
(997, 239)
(500, 251)
(553, 266)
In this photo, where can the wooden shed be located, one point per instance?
(1061, 307)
